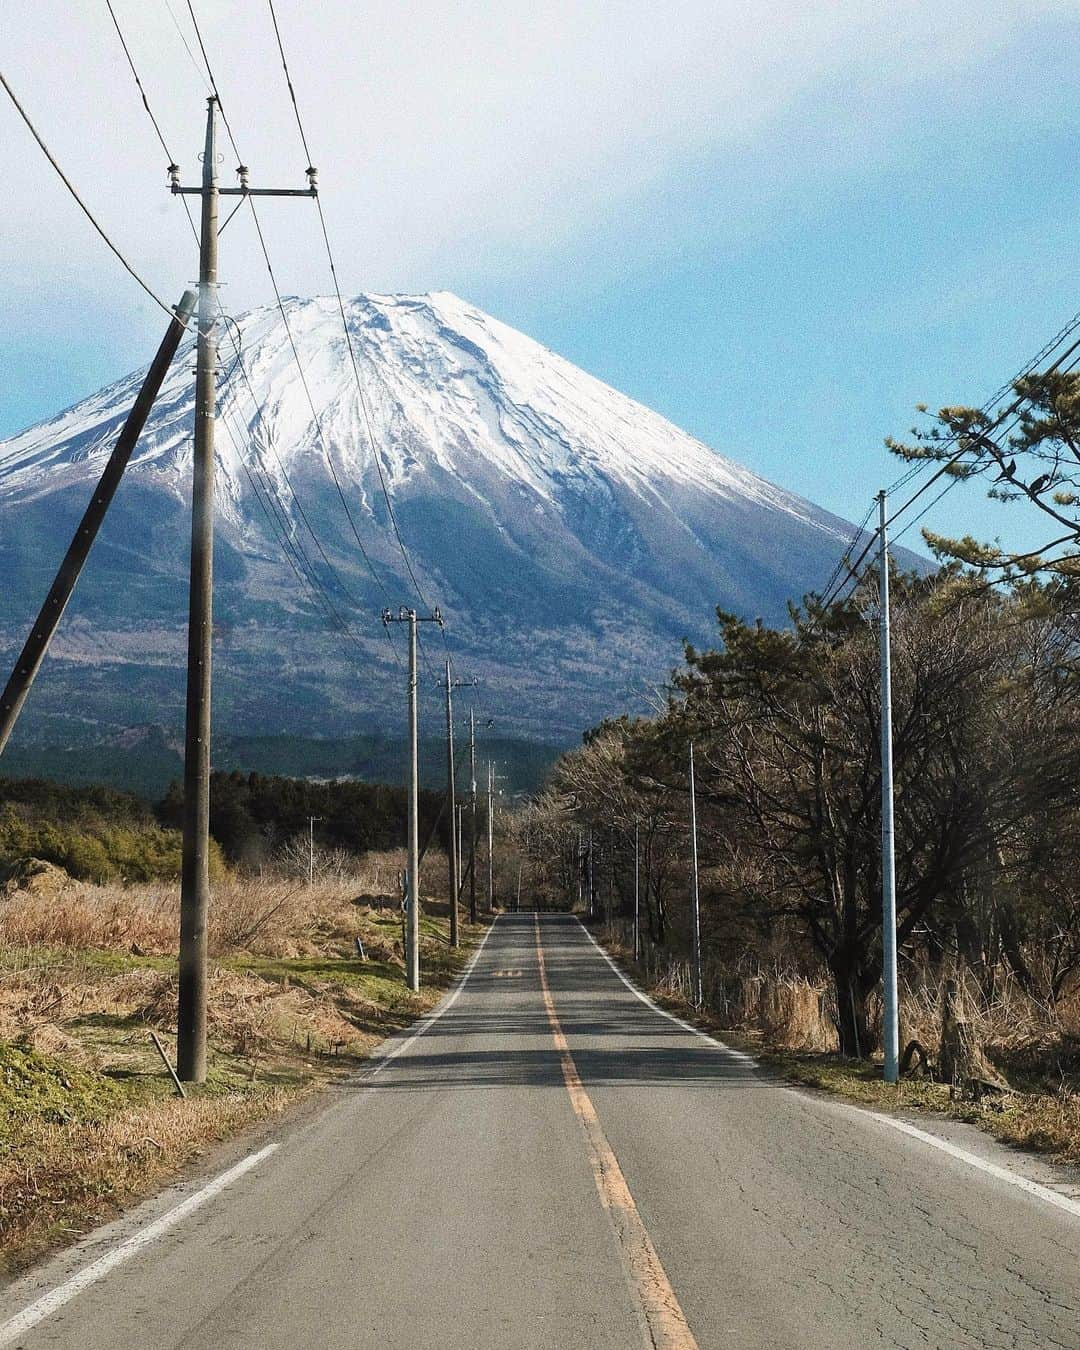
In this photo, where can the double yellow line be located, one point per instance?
(664, 1322)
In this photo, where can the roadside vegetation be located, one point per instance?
(785, 724)
(305, 981)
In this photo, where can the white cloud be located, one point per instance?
(449, 136)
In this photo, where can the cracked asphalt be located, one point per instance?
(451, 1201)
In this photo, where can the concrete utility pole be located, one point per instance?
(637, 895)
(455, 939)
(590, 878)
(491, 836)
(195, 875)
(195, 878)
(412, 913)
(311, 849)
(579, 860)
(48, 620)
(459, 836)
(695, 897)
(451, 788)
(891, 1028)
(472, 812)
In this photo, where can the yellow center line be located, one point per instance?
(662, 1316)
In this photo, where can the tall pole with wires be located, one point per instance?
(637, 892)
(695, 897)
(195, 876)
(409, 616)
(491, 837)
(472, 815)
(891, 1027)
(451, 791)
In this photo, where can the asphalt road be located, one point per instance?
(552, 1163)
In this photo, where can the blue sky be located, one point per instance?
(782, 225)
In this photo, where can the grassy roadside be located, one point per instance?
(1037, 1114)
(89, 1120)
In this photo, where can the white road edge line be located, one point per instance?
(1052, 1197)
(432, 1017)
(55, 1299)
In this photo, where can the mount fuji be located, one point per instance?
(570, 535)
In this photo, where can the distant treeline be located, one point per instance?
(252, 815)
(100, 834)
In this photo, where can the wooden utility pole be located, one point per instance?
(195, 876)
(45, 626)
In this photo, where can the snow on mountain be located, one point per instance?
(571, 535)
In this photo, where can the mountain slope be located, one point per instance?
(570, 535)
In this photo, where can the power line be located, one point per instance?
(260, 420)
(1003, 417)
(149, 111)
(268, 487)
(169, 310)
(187, 47)
(266, 494)
(345, 323)
(285, 320)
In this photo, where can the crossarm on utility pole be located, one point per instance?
(48, 620)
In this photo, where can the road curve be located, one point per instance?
(552, 1163)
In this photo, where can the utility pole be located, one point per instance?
(195, 878)
(451, 789)
(637, 895)
(590, 878)
(491, 836)
(48, 619)
(695, 898)
(455, 939)
(579, 860)
(459, 833)
(472, 811)
(412, 913)
(891, 1028)
(311, 849)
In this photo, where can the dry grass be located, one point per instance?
(59, 1178)
(87, 1119)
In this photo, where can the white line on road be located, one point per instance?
(663, 1012)
(1052, 1197)
(55, 1299)
(434, 1016)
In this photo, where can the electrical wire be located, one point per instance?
(999, 421)
(169, 309)
(285, 319)
(260, 421)
(294, 550)
(345, 326)
(187, 47)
